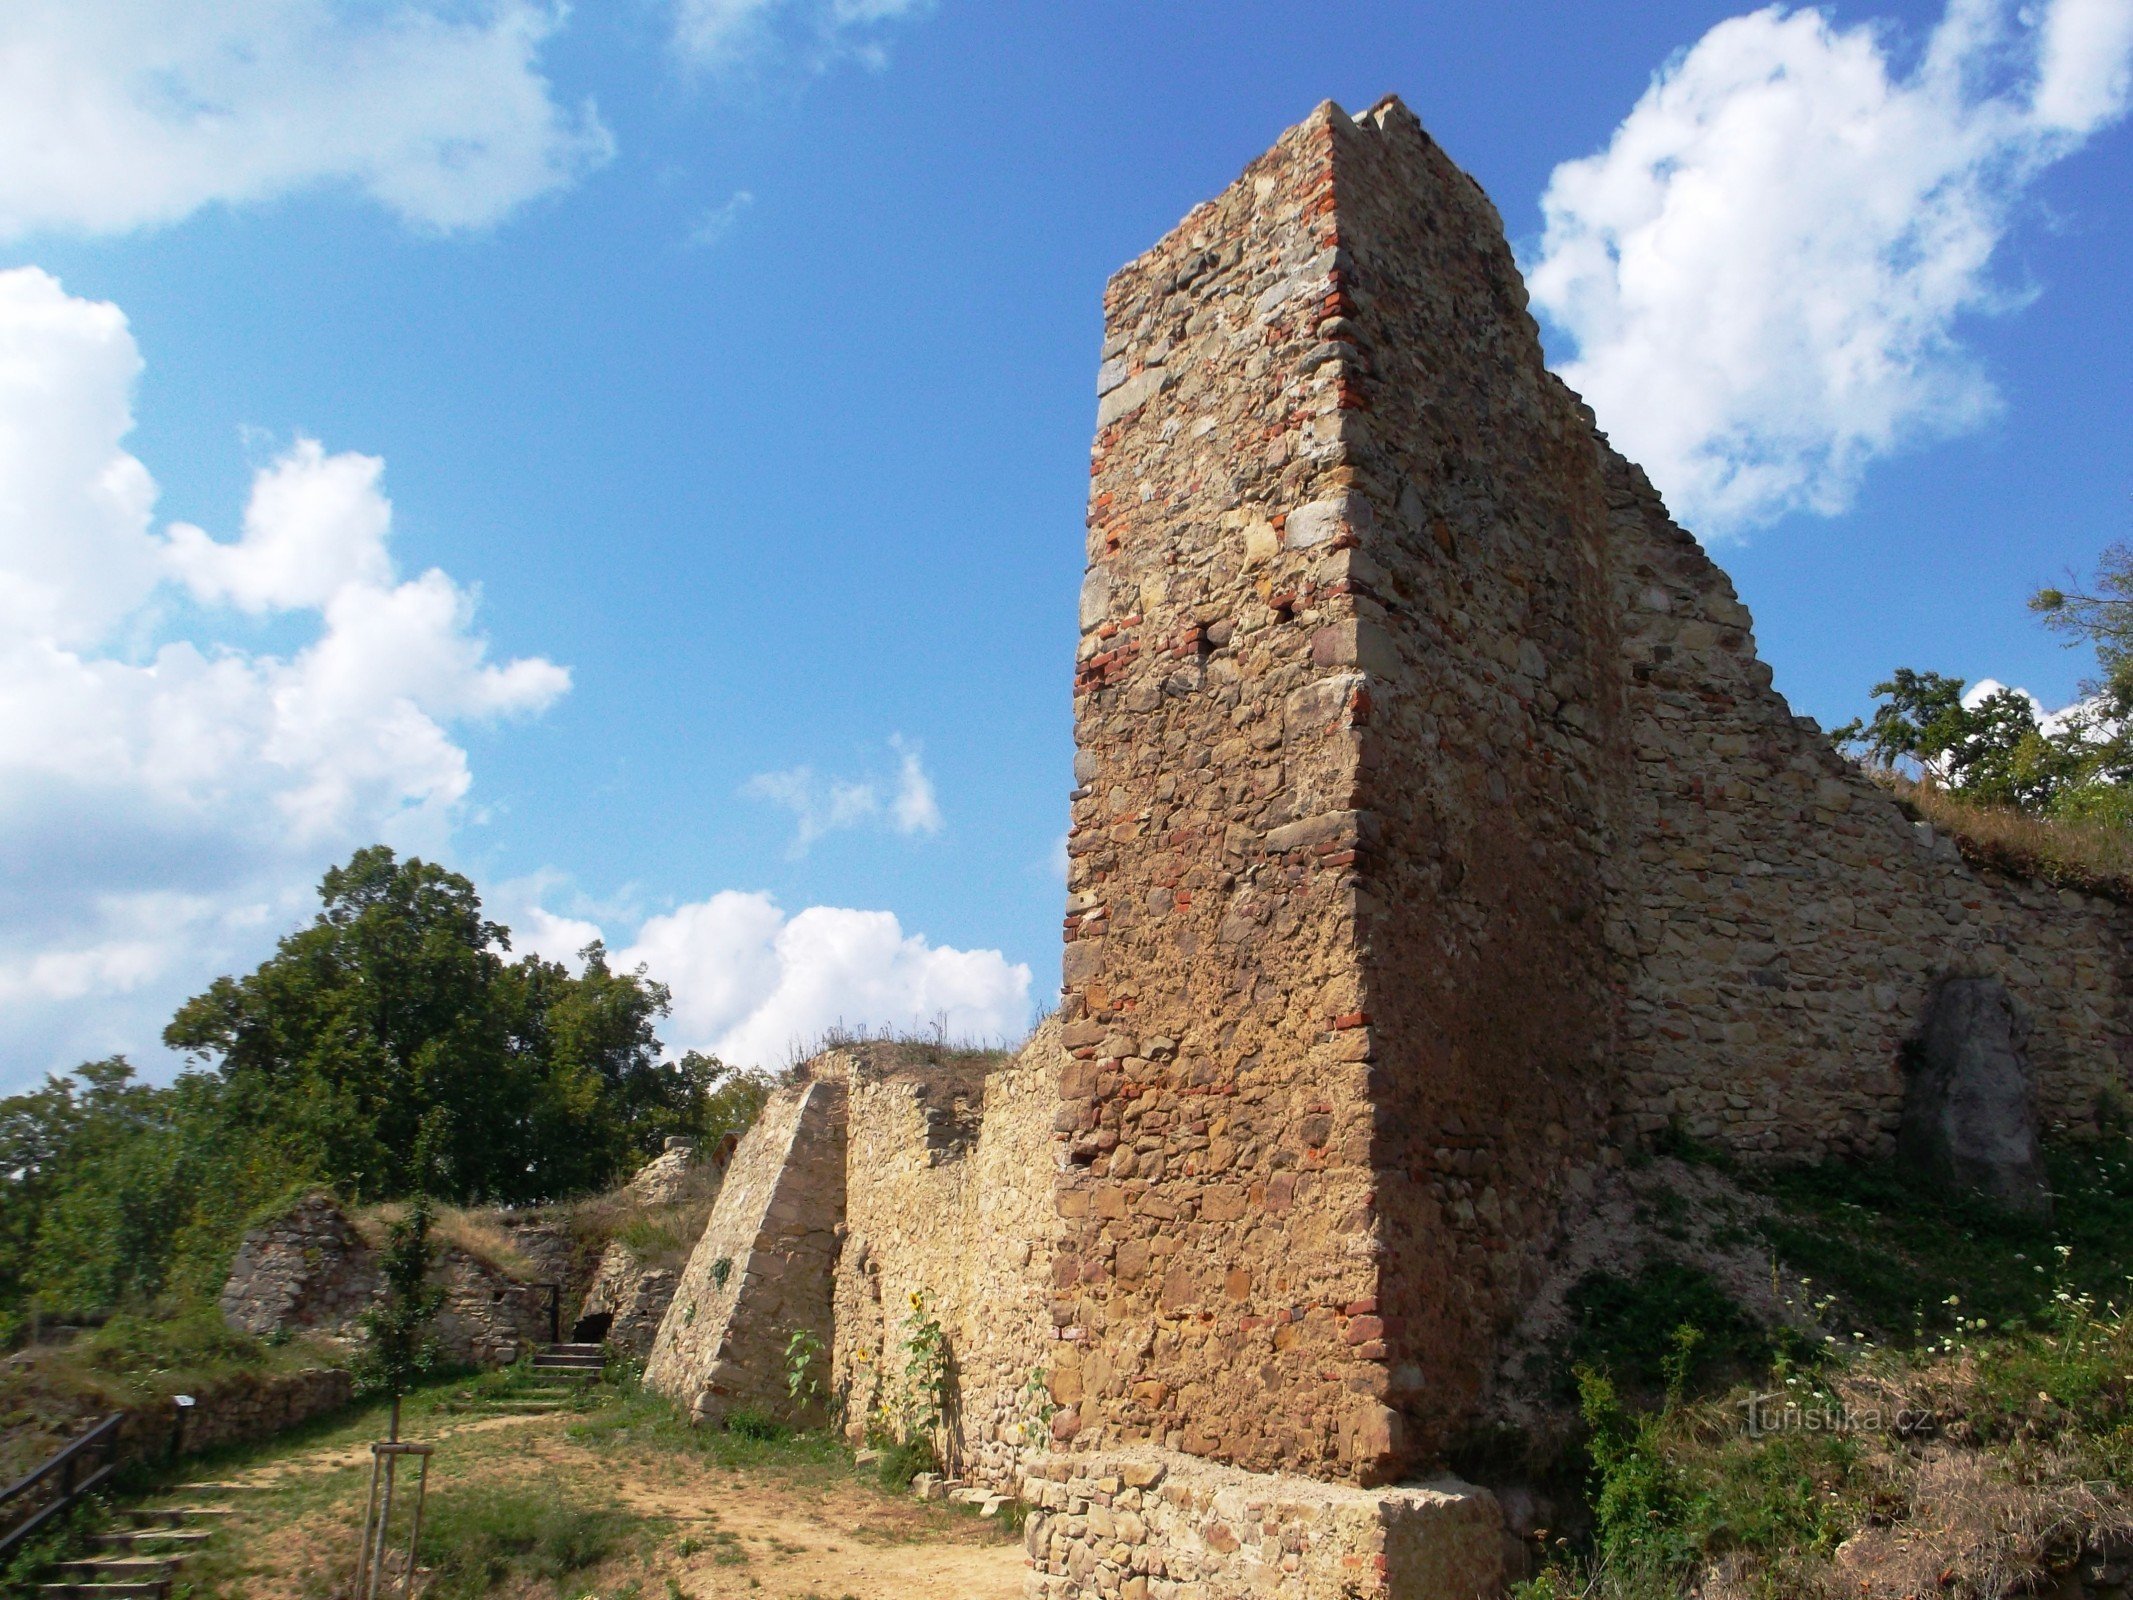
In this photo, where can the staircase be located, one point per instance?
(571, 1363)
(146, 1557)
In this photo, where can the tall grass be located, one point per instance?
(2095, 857)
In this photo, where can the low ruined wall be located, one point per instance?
(488, 1319)
(634, 1295)
(1787, 920)
(244, 1409)
(1162, 1526)
(311, 1270)
(947, 1197)
(305, 1269)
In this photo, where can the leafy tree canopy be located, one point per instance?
(391, 1048)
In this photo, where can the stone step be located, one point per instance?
(150, 1539)
(568, 1349)
(568, 1358)
(153, 1589)
(568, 1375)
(227, 1488)
(138, 1567)
(176, 1516)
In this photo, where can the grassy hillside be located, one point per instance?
(1960, 1423)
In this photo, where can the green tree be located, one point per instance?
(390, 1048)
(397, 1040)
(2101, 618)
(1993, 752)
(113, 1191)
(400, 1352)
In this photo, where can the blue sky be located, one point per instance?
(730, 363)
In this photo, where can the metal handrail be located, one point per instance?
(555, 1310)
(73, 1488)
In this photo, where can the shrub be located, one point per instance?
(748, 1423)
(478, 1537)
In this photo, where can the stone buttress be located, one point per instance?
(763, 1268)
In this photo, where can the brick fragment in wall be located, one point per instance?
(761, 1272)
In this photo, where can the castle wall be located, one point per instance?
(1216, 1199)
(1493, 755)
(1788, 919)
(948, 1197)
(1435, 831)
(1349, 730)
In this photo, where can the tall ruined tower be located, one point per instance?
(1337, 980)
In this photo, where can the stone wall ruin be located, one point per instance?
(1436, 832)
(1437, 836)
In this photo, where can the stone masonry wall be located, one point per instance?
(310, 1268)
(1348, 732)
(947, 1195)
(1494, 754)
(1788, 919)
(634, 1295)
(763, 1268)
(1215, 1198)
(1435, 832)
(1155, 1526)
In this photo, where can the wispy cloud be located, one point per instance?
(823, 805)
(161, 811)
(1766, 270)
(716, 223)
(811, 35)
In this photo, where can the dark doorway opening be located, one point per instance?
(592, 1329)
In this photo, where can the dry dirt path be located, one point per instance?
(706, 1518)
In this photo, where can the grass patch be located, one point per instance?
(2095, 857)
(749, 1423)
(637, 1421)
(901, 1460)
(1628, 1328)
(1965, 1429)
(136, 1359)
(1905, 1262)
(477, 1537)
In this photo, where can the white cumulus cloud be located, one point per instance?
(752, 985)
(723, 35)
(166, 800)
(122, 114)
(1765, 271)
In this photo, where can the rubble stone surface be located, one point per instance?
(1160, 1526)
(311, 1269)
(633, 1295)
